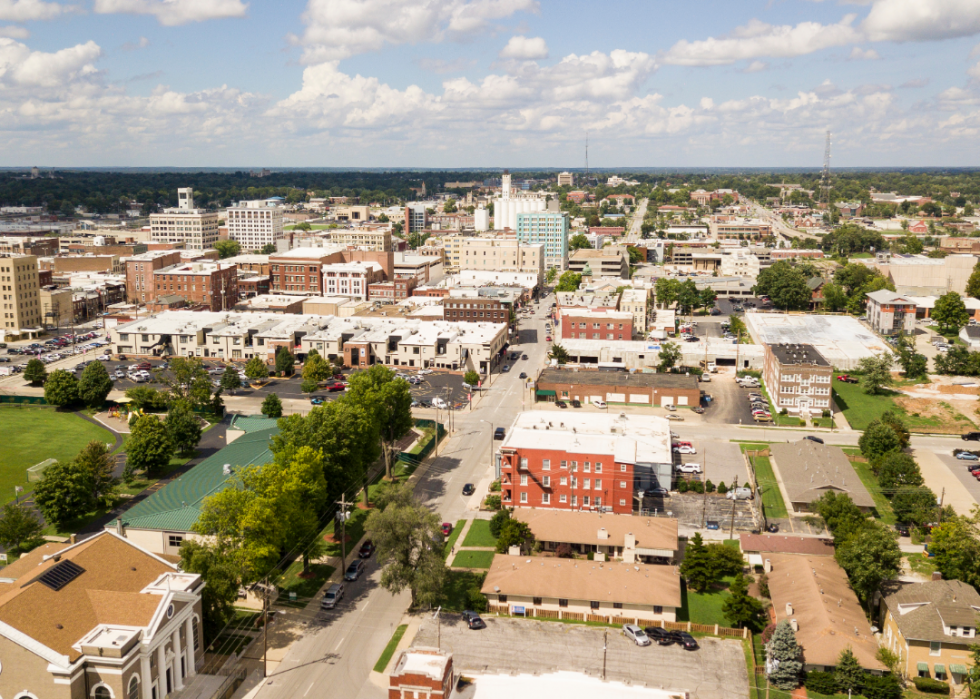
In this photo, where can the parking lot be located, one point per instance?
(715, 671)
(720, 461)
(963, 475)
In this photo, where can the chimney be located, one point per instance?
(767, 565)
(602, 534)
(789, 609)
(120, 527)
(793, 623)
(936, 575)
(73, 539)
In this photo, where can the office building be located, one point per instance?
(549, 229)
(20, 287)
(566, 179)
(255, 224)
(196, 229)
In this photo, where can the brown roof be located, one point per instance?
(923, 610)
(107, 592)
(829, 615)
(539, 576)
(771, 543)
(808, 470)
(583, 528)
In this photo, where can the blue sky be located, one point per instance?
(460, 83)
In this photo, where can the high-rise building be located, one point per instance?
(197, 229)
(566, 179)
(549, 229)
(415, 218)
(20, 288)
(506, 208)
(255, 224)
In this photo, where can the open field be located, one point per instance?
(919, 414)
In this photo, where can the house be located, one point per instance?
(806, 470)
(815, 284)
(756, 548)
(100, 618)
(970, 334)
(890, 313)
(848, 210)
(422, 673)
(930, 626)
(622, 537)
(563, 588)
(919, 226)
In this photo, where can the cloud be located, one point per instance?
(921, 20)
(440, 66)
(30, 10)
(859, 54)
(524, 48)
(755, 67)
(14, 32)
(21, 67)
(974, 71)
(914, 83)
(133, 45)
(172, 13)
(338, 29)
(760, 39)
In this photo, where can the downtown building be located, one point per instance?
(255, 224)
(549, 229)
(196, 229)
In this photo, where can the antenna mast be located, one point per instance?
(825, 176)
(586, 158)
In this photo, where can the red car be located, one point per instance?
(447, 528)
(548, 338)
(336, 387)
(145, 366)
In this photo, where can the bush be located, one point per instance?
(709, 487)
(722, 488)
(930, 686)
(825, 413)
(493, 502)
(563, 550)
(696, 486)
(764, 585)
(784, 411)
(497, 522)
(682, 486)
(477, 602)
(495, 487)
(821, 682)
(767, 632)
(881, 687)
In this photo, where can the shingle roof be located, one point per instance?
(177, 506)
(583, 528)
(769, 543)
(814, 283)
(808, 470)
(927, 605)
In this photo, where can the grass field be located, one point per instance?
(390, 649)
(772, 498)
(882, 504)
(453, 536)
(305, 588)
(704, 607)
(479, 534)
(462, 591)
(34, 434)
(861, 408)
(473, 559)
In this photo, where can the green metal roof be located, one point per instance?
(922, 667)
(176, 506)
(252, 423)
(958, 669)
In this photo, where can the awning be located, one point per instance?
(922, 667)
(940, 669)
(958, 669)
(544, 392)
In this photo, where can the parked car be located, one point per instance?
(473, 621)
(653, 492)
(499, 432)
(684, 449)
(523, 356)
(712, 524)
(336, 386)
(689, 468)
(438, 402)
(601, 404)
(670, 406)
(699, 410)
(971, 437)
(468, 489)
(332, 596)
(902, 529)
(548, 338)
(447, 528)
(674, 417)
(561, 404)
(576, 404)
(739, 494)
(523, 375)
(635, 634)
(814, 439)
(367, 548)
(684, 640)
(354, 570)
(967, 456)
(316, 400)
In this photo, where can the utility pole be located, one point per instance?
(438, 628)
(605, 645)
(738, 343)
(704, 500)
(731, 531)
(491, 446)
(941, 498)
(342, 516)
(265, 628)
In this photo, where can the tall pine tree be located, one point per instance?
(784, 651)
(698, 568)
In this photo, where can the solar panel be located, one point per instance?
(61, 574)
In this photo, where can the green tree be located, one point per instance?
(95, 385)
(551, 275)
(877, 372)
(285, 362)
(149, 447)
(697, 567)
(61, 388)
(497, 522)
(221, 587)
(784, 649)
(973, 283)
(898, 469)
(569, 281)
(878, 439)
(146, 398)
(869, 557)
(18, 525)
(707, 297)
(950, 312)
(389, 400)
(848, 673)
(183, 427)
(256, 370)
(665, 291)
(914, 505)
(268, 249)
(187, 379)
(740, 609)
(956, 548)
(230, 380)
(316, 369)
(64, 493)
(834, 298)
(272, 406)
(785, 286)
(688, 296)
(515, 533)
(227, 248)
(35, 372)
(471, 377)
(669, 355)
(842, 516)
(726, 560)
(559, 354)
(579, 242)
(96, 458)
(913, 364)
(893, 420)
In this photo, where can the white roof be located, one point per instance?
(564, 684)
(842, 340)
(309, 253)
(596, 314)
(428, 664)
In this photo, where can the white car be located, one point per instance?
(599, 403)
(689, 468)
(685, 449)
(425, 371)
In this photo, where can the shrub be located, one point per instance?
(784, 411)
(802, 423)
(696, 486)
(495, 487)
(493, 502)
(477, 602)
(764, 585)
(825, 413)
(930, 686)
(767, 632)
(682, 486)
(821, 683)
(881, 687)
(563, 550)
(498, 521)
(722, 488)
(709, 487)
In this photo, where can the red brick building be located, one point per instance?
(301, 269)
(140, 270)
(250, 287)
(211, 284)
(422, 673)
(475, 310)
(596, 325)
(431, 292)
(397, 289)
(611, 231)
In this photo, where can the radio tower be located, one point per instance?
(586, 158)
(825, 176)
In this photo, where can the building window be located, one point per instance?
(196, 630)
(523, 479)
(585, 500)
(545, 499)
(502, 599)
(562, 602)
(536, 601)
(524, 497)
(102, 693)
(564, 464)
(546, 465)
(617, 605)
(593, 604)
(622, 467)
(134, 688)
(935, 648)
(562, 498)
(546, 481)
(598, 467)
(622, 502)
(598, 484)
(657, 609)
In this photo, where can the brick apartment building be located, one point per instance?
(394, 290)
(422, 673)
(618, 387)
(596, 325)
(139, 273)
(797, 377)
(249, 287)
(303, 270)
(890, 313)
(211, 284)
(595, 462)
(475, 310)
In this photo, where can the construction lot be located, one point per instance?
(715, 671)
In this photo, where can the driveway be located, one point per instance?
(716, 671)
(948, 478)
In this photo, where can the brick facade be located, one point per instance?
(213, 285)
(475, 310)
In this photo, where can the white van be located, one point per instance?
(439, 403)
(598, 403)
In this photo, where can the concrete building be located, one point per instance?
(566, 179)
(139, 273)
(497, 254)
(549, 229)
(597, 462)
(416, 218)
(615, 592)
(595, 325)
(66, 264)
(739, 263)
(422, 673)
(730, 227)
(56, 305)
(259, 264)
(806, 470)
(424, 269)
(100, 618)
(305, 270)
(618, 387)
(479, 309)
(28, 245)
(841, 340)
(608, 262)
(890, 313)
(255, 224)
(196, 229)
(351, 279)
(272, 303)
(918, 275)
(797, 378)
(637, 303)
(375, 237)
(509, 205)
(22, 310)
(213, 284)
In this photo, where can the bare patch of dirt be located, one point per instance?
(933, 415)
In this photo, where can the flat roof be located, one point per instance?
(798, 354)
(431, 664)
(808, 470)
(596, 314)
(617, 378)
(841, 340)
(598, 528)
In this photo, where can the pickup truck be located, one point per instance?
(847, 379)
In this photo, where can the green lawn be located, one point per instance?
(451, 541)
(923, 565)
(35, 433)
(390, 649)
(244, 619)
(861, 408)
(305, 588)
(772, 498)
(704, 607)
(882, 505)
(473, 559)
(462, 591)
(479, 534)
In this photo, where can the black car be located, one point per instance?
(367, 548)
(814, 439)
(523, 356)
(684, 640)
(972, 437)
(902, 529)
(473, 620)
(498, 433)
(522, 375)
(468, 489)
(660, 636)
(576, 404)
(561, 404)
(354, 570)
(973, 467)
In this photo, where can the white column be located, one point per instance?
(146, 679)
(162, 670)
(189, 638)
(175, 639)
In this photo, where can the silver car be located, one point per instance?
(636, 634)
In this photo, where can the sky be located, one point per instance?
(489, 83)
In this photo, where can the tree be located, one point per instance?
(551, 275)
(389, 400)
(146, 398)
(697, 567)
(973, 283)
(688, 296)
(882, 687)
(497, 522)
(64, 493)
(18, 525)
(472, 378)
(785, 286)
(256, 370)
(95, 385)
(706, 297)
(183, 427)
(842, 516)
(230, 380)
(316, 369)
(187, 379)
(725, 560)
(227, 248)
(35, 372)
(869, 557)
(914, 505)
(272, 406)
(877, 372)
(834, 298)
(559, 354)
(61, 388)
(149, 447)
(670, 355)
(268, 249)
(569, 281)
(97, 459)
(285, 362)
(913, 364)
(515, 533)
(785, 652)
(898, 469)
(221, 587)
(665, 291)
(950, 311)
(741, 610)
(878, 439)
(579, 242)
(848, 673)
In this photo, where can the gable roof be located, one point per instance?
(770, 543)
(808, 470)
(583, 528)
(815, 283)
(919, 609)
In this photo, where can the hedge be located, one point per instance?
(931, 686)
(821, 682)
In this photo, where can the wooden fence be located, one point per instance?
(617, 620)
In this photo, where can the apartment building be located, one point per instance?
(351, 279)
(608, 262)
(255, 224)
(416, 218)
(636, 302)
(56, 305)
(477, 309)
(28, 245)
(392, 291)
(316, 270)
(890, 313)
(595, 461)
(376, 238)
(20, 287)
(213, 284)
(596, 325)
(497, 254)
(549, 229)
(139, 273)
(197, 229)
(259, 264)
(741, 228)
(797, 377)
(66, 264)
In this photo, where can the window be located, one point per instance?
(523, 479)
(523, 463)
(622, 502)
(562, 602)
(598, 467)
(502, 599)
(545, 498)
(134, 688)
(935, 648)
(546, 464)
(657, 609)
(575, 465)
(563, 498)
(585, 500)
(617, 605)
(622, 467)
(175, 540)
(622, 484)
(598, 484)
(587, 467)
(536, 601)
(593, 604)
(588, 481)
(197, 633)
(564, 464)
(546, 481)
(574, 500)
(524, 497)
(102, 693)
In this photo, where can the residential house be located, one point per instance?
(807, 470)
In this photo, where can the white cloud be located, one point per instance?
(175, 12)
(21, 67)
(755, 67)
(337, 29)
(921, 20)
(524, 48)
(859, 54)
(14, 32)
(30, 10)
(974, 71)
(760, 39)
(438, 65)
